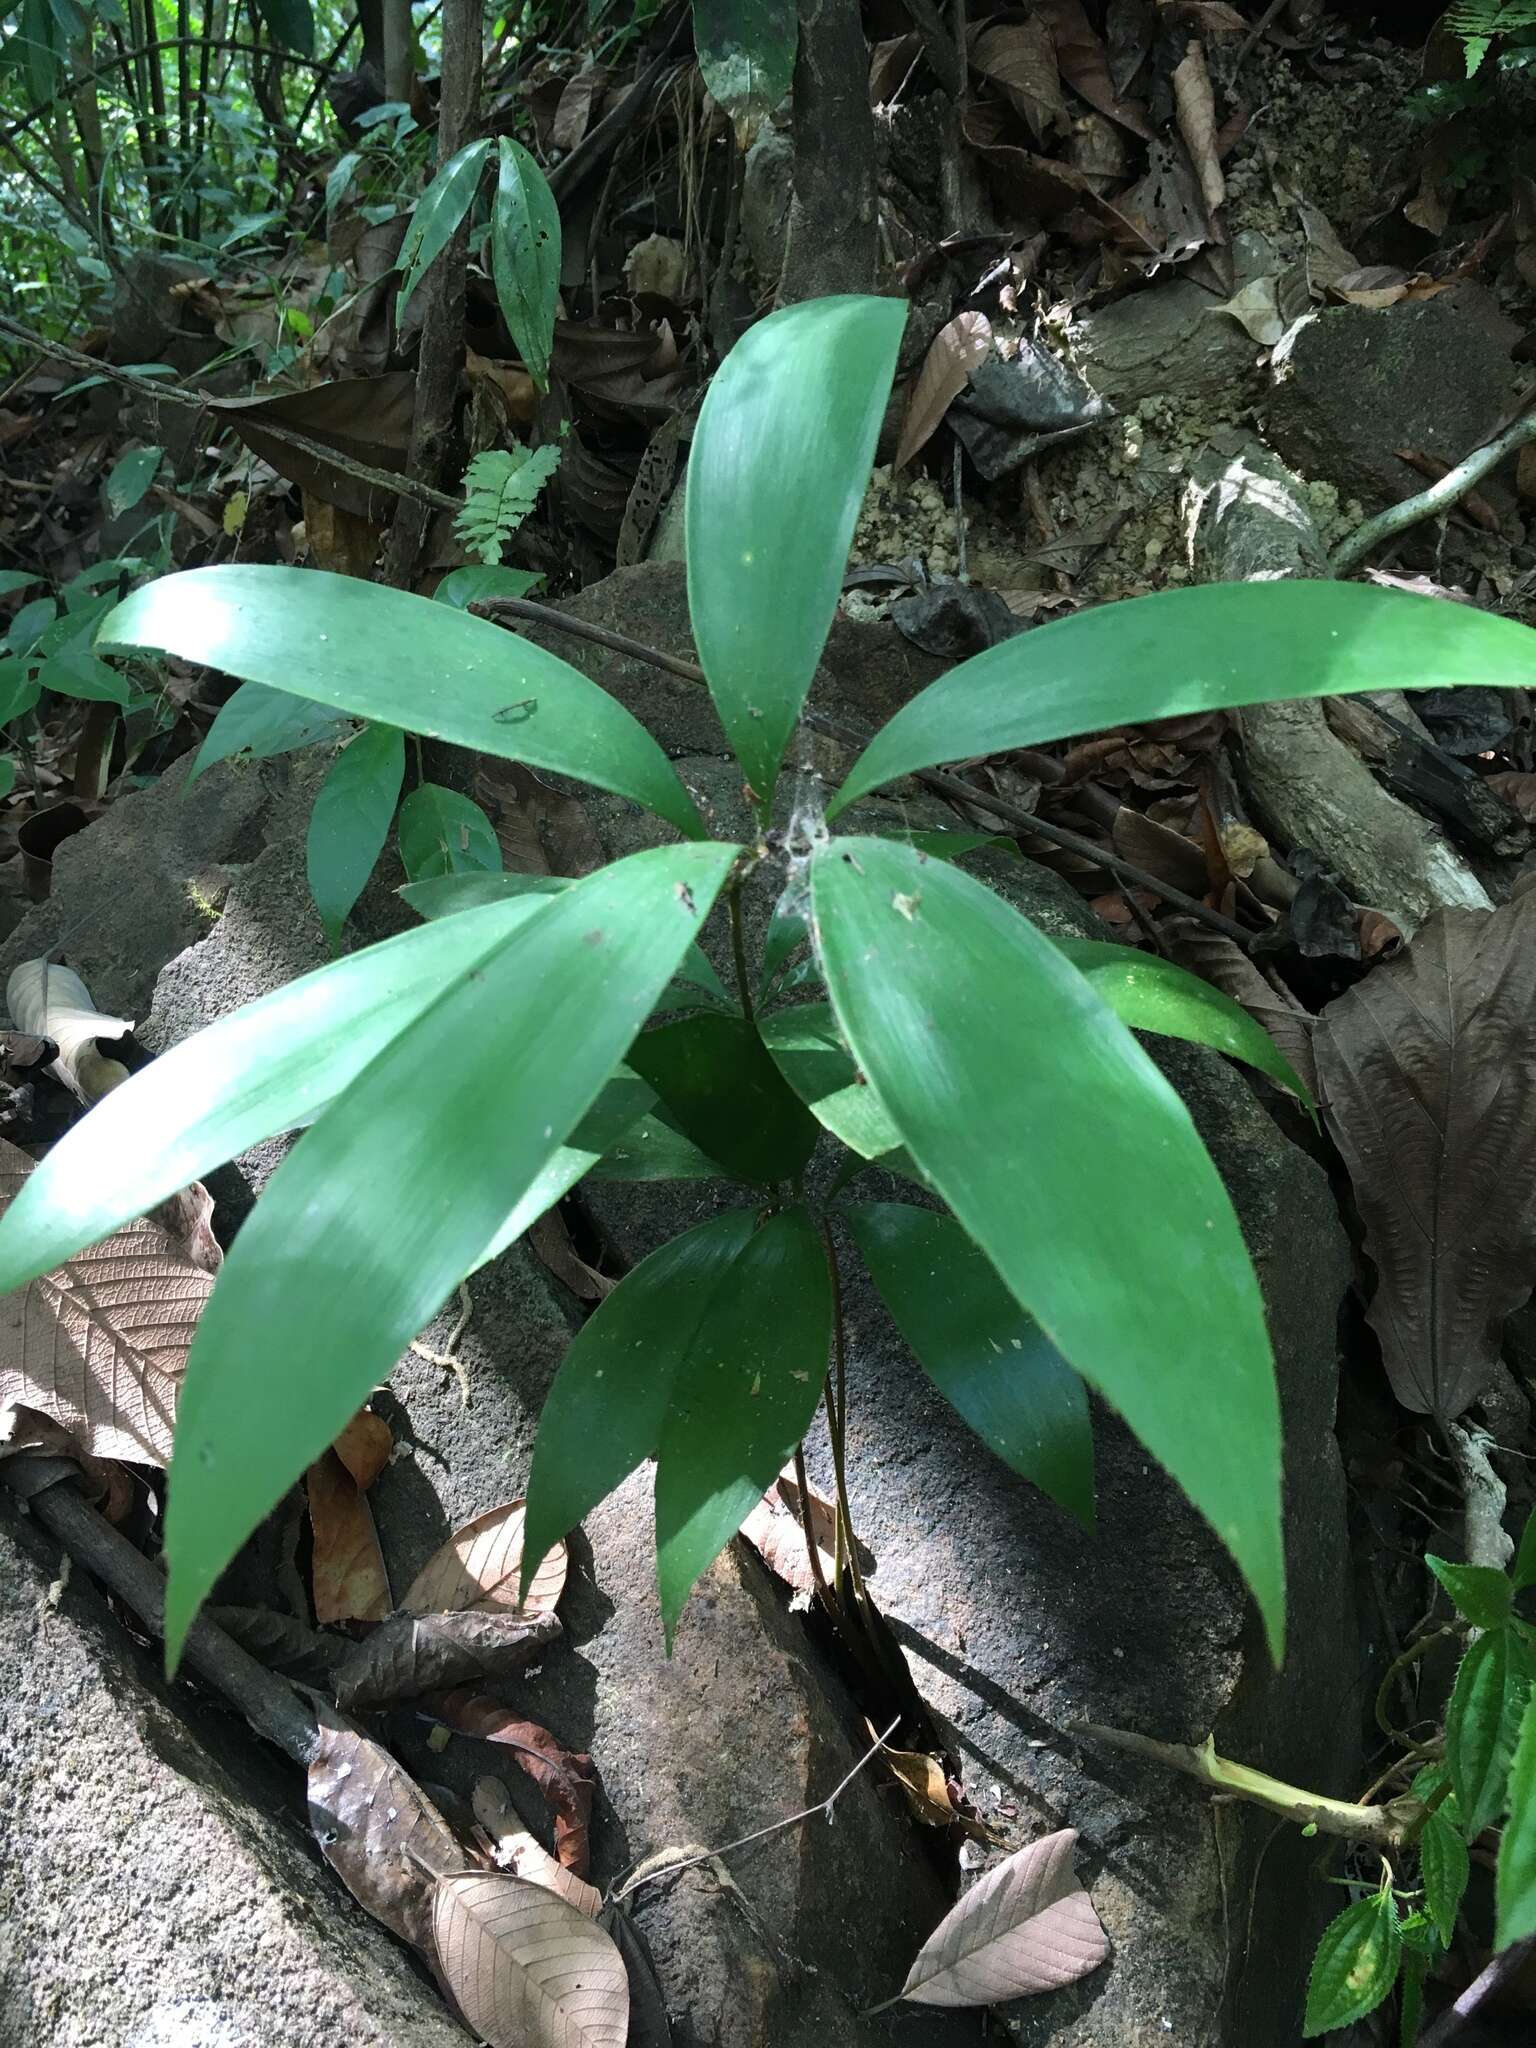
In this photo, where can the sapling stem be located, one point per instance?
(837, 1420)
(739, 950)
(807, 1523)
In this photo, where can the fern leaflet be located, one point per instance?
(1477, 22)
(500, 489)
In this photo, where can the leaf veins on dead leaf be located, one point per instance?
(526, 1969)
(478, 1567)
(1428, 1086)
(378, 1830)
(412, 1654)
(1025, 1927)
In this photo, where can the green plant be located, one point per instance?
(1479, 22)
(1084, 1234)
(1486, 1777)
(501, 488)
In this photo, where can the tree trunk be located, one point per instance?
(832, 243)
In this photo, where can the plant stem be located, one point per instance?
(1440, 496)
(837, 1418)
(1396, 1668)
(1382, 1827)
(739, 949)
(813, 1550)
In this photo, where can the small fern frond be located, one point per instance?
(1477, 22)
(500, 490)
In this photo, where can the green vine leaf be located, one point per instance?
(1355, 1966)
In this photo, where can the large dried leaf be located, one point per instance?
(1195, 105)
(952, 355)
(525, 1968)
(100, 1346)
(565, 1777)
(1020, 56)
(776, 1531)
(379, 1831)
(53, 1002)
(516, 1850)
(1084, 63)
(1428, 1085)
(348, 1576)
(411, 1654)
(1025, 1927)
(365, 418)
(478, 1567)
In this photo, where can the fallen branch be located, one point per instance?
(1454, 485)
(1387, 1827)
(1483, 1497)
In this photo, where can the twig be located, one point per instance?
(1504, 1968)
(1381, 1827)
(1425, 504)
(228, 410)
(1256, 35)
(1398, 1668)
(562, 622)
(271, 1706)
(1483, 1494)
(448, 1360)
(648, 1876)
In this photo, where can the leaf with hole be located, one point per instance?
(525, 1968)
(1355, 1966)
(776, 480)
(936, 984)
(350, 822)
(741, 1397)
(1025, 1927)
(444, 833)
(989, 1359)
(1181, 651)
(525, 256)
(725, 1094)
(331, 1277)
(436, 218)
(399, 658)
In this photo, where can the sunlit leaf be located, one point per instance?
(350, 822)
(445, 833)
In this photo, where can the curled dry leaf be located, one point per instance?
(379, 1831)
(1429, 1091)
(516, 1850)
(410, 1654)
(565, 1777)
(105, 1483)
(349, 1579)
(955, 351)
(55, 1003)
(478, 1567)
(928, 1791)
(1025, 1927)
(187, 1219)
(100, 1346)
(526, 1969)
(776, 1531)
(1195, 104)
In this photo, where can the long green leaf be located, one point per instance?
(741, 1399)
(334, 1272)
(268, 1067)
(402, 659)
(746, 52)
(781, 459)
(723, 1091)
(603, 1415)
(1151, 994)
(1445, 1867)
(350, 822)
(259, 722)
(438, 213)
(525, 257)
(292, 22)
(1067, 1157)
(991, 1361)
(1482, 1724)
(813, 1059)
(1206, 649)
(1516, 1890)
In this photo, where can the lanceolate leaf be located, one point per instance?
(1430, 1098)
(271, 1066)
(746, 51)
(1355, 1965)
(525, 256)
(333, 1273)
(1151, 994)
(1482, 1724)
(1180, 651)
(781, 458)
(1524, 1572)
(1090, 1192)
(741, 1398)
(813, 1059)
(292, 22)
(1026, 1927)
(445, 833)
(603, 1415)
(988, 1358)
(261, 722)
(350, 822)
(1445, 1866)
(406, 661)
(724, 1092)
(438, 213)
(1517, 1850)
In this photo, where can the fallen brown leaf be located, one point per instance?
(1195, 105)
(187, 1220)
(777, 1533)
(516, 1850)
(100, 1346)
(1084, 63)
(379, 1831)
(348, 1576)
(1221, 962)
(478, 1567)
(1027, 1926)
(1020, 57)
(53, 1002)
(412, 1654)
(364, 1447)
(1429, 1091)
(565, 1777)
(526, 1969)
(952, 355)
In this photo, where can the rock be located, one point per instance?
(158, 1886)
(1170, 341)
(149, 877)
(1351, 386)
